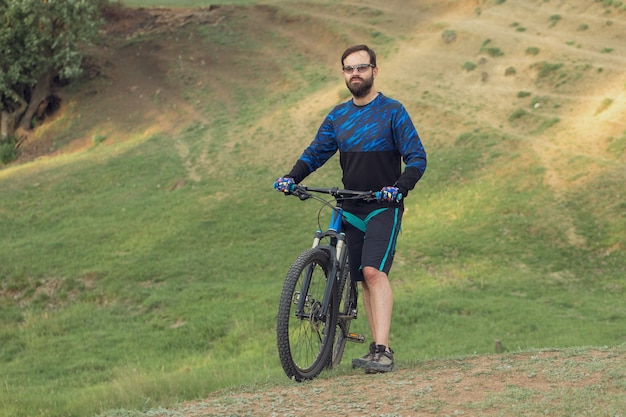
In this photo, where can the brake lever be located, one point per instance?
(302, 194)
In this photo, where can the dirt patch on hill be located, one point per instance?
(131, 87)
(138, 89)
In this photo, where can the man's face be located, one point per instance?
(359, 83)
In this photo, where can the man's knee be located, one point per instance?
(371, 275)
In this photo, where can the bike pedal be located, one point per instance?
(356, 338)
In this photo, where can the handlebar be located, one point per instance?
(304, 192)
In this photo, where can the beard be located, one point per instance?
(363, 88)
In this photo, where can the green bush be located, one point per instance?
(448, 35)
(8, 152)
(469, 66)
(517, 114)
(532, 50)
(554, 19)
(545, 68)
(493, 52)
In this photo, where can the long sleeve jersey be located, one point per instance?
(372, 141)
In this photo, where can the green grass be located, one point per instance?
(127, 284)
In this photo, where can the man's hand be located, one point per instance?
(284, 184)
(389, 194)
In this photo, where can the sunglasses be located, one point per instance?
(361, 68)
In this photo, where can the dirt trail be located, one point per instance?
(529, 384)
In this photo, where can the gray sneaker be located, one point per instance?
(382, 361)
(360, 362)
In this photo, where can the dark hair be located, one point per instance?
(357, 48)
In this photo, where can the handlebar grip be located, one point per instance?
(379, 196)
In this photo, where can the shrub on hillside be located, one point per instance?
(532, 50)
(8, 152)
(469, 66)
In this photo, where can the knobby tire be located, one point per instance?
(305, 342)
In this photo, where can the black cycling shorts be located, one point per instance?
(376, 245)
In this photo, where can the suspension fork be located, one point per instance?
(331, 284)
(337, 259)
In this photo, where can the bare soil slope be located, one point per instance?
(568, 59)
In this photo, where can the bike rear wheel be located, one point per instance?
(305, 338)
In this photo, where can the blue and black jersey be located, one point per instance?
(372, 141)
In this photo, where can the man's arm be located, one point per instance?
(299, 171)
(412, 150)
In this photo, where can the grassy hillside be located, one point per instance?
(143, 249)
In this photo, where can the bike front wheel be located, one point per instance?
(305, 335)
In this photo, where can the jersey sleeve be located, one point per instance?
(410, 146)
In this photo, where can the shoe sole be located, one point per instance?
(360, 363)
(376, 368)
(381, 370)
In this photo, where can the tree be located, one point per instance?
(40, 43)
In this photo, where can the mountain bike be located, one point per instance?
(319, 300)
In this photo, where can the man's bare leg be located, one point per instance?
(378, 303)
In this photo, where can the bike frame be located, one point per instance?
(316, 314)
(337, 240)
